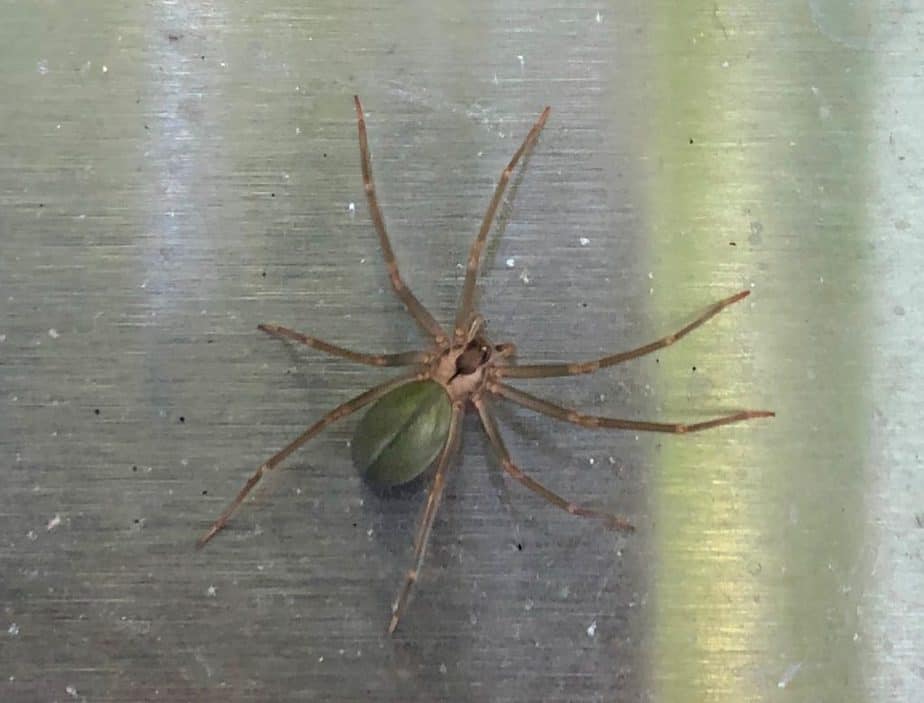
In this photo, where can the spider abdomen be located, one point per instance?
(402, 433)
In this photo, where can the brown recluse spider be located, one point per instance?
(471, 369)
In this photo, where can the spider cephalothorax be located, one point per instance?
(415, 419)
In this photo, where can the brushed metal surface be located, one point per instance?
(173, 174)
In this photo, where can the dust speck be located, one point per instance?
(592, 629)
(511, 262)
(53, 523)
(13, 629)
(352, 208)
(584, 241)
(211, 591)
(53, 333)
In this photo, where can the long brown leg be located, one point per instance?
(408, 358)
(337, 413)
(549, 370)
(594, 421)
(414, 306)
(490, 428)
(434, 498)
(471, 270)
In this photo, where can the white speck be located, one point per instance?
(13, 629)
(53, 333)
(351, 207)
(298, 130)
(511, 262)
(650, 276)
(362, 261)
(528, 605)
(599, 18)
(821, 279)
(54, 522)
(495, 82)
(341, 651)
(789, 674)
(32, 535)
(611, 460)
(522, 61)
(591, 461)
(2, 338)
(592, 630)
(105, 68)
(584, 241)
(321, 659)
(223, 64)
(524, 276)
(42, 67)
(370, 532)
(443, 669)
(71, 691)
(725, 64)
(211, 591)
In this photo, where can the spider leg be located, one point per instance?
(550, 370)
(434, 498)
(414, 306)
(337, 413)
(594, 421)
(471, 270)
(491, 429)
(408, 358)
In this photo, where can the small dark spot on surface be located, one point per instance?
(174, 37)
(205, 492)
(136, 521)
(96, 411)
(583, 305)
(272, 195)
(733, 244)
(182, 418)
(209, 341)
(202, 57)
(324, 154)
(694, 369)
(519, 547)
(899, 310)
(691, 140)
(134, 468)
(355, 524)
(41, 204)
(919, 519)
(263, 274)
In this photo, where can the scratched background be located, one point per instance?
(172, 174)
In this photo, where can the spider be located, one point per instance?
(415, 419)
